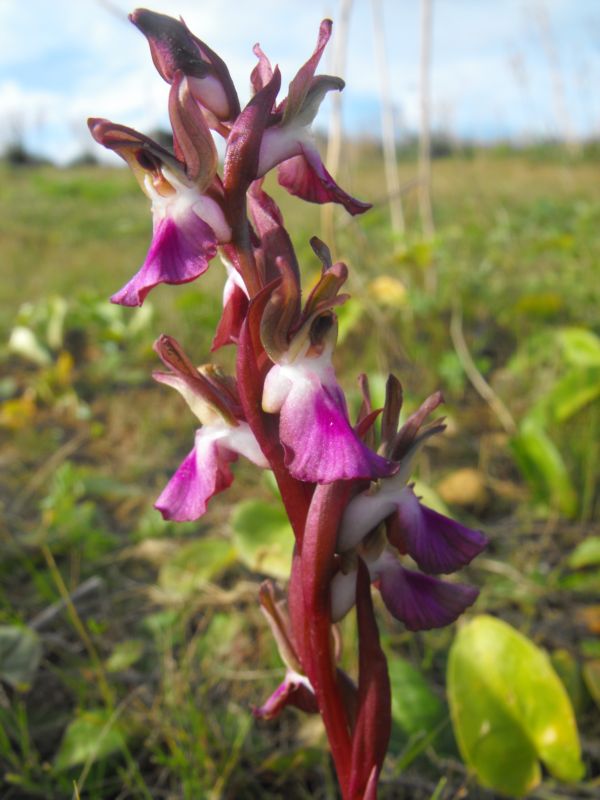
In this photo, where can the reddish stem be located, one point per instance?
(250, 378)
(315, 522)
(317, 556)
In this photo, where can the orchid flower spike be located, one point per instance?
(435, 542)
(224, 435)
(174, 48)
(186, 195)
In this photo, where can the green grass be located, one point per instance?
(155, 665)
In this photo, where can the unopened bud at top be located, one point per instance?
(174, 48)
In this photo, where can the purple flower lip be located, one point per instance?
(435, 542)
(180, 252)
(319, 442)
(205, 471)
(421, 601)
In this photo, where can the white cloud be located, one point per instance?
(84, 58)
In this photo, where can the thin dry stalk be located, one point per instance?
(481, 386)
(334, 136)
(388, 133)
(563, 118)
(425, 206)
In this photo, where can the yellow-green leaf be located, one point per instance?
(509, 709)
(581, 347)
(263, 537)
(193, 565)
(586, 554)
(543, 467)
(90, 737)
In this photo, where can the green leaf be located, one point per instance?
(586, 554)
(416, 710)
(573, 392)
(263, 537)
(580, 346)
(90, 737)
(509, 709)
(124, 655)
(217, 640)
(543, 467)
(348, 316)
(590, 648)
(195, 564)
(20, 654)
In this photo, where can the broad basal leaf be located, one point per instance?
(509, 709)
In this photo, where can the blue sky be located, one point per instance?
(501, 68)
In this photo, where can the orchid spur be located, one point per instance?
(354, 513)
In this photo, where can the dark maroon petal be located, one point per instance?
(275, 241)
(243, 144)
(300, 85)
(234, 313)
(436, 542)
(179, 253)
(305, 176)
(321, 446)
(202, 474)
(290, 692)
(420, 601)
(408, 435)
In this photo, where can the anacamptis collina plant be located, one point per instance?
(345, 484)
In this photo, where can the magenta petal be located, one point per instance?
(292, 691)
(420, 601)
(436, 542)
(203, 473)
(305, 176)
(321, 446)
(179, 253)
